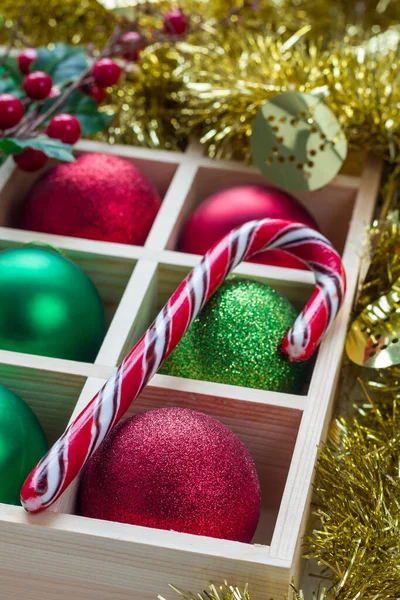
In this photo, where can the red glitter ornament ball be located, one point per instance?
(174, 469)
(233, 207)
(98, 197)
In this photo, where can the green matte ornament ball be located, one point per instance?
(236, 340)
(22, 444)
(48, 306)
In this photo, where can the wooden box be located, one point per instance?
(58, 555)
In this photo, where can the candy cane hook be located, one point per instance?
(69, 454)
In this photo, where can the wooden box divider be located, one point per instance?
(58, 554)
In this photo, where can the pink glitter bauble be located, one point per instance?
(233, 207)
(98, 197)
(174, 469)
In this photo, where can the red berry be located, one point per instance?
(38, 85)
(26, 58)
(175, 22)
(64, 127)
(106, 72)
(97, 93)
(11, 111)
(30, 159)
(133, 43)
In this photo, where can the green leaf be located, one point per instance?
(64, 63)
(85, 110)
(11, 78)
(52, 148)
(9, 86)
(10, 65)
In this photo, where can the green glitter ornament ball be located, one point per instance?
(22, 444)
(48, 306)
(236, 340)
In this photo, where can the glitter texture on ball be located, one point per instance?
(236, 340)
(98, 197)
(174, 469)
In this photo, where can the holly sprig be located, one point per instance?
(49, 97)
(52, 85)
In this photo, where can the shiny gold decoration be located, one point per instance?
(357, 504)
(228, 69)
(297, 142)
(221, 592)
(373, 340)
(145, 114)
(229, 592)
(356, 535)
(229, 78)
(384, 269)
(71, 21)
(328, 19)
(383, 272)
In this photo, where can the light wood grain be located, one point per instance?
(60, 555)
(293, 512)
(84, 558)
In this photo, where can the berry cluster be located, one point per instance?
(38, 86)
(132, 42)
(16, 115)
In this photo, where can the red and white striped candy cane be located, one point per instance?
(69, 454)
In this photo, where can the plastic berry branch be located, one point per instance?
(42, 114)
(31, 126)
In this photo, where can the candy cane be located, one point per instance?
(69, 454)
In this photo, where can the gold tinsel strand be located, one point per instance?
(327, 19)
(382, 273)
(229, 592)
(72, 21)
(363, 90)
(225, 82)
(358, 502)
(358, 485)
(212, 86)
(222, 592)
(228, 69)
(146, 112)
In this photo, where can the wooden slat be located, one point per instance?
(293, 512)
(71, 557)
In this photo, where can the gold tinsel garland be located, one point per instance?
(383, 272)
(229, 592)
(329, 19)
(227, 68)
(385, 266)
(358, 501)
(357, 504)
(211, 87)
(72, 21)
(146, 115)
(225, 82)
